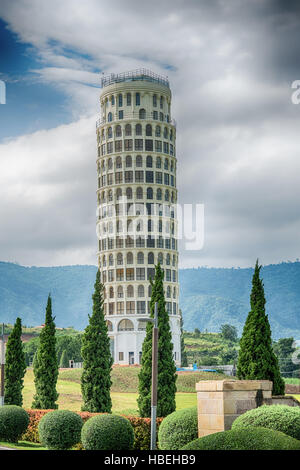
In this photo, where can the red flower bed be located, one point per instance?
(141, 426)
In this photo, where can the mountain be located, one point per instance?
(209, 297)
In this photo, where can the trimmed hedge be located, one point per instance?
(107, 432)
(60, 429)
(245, 439)
(13, 422)
(141, 426)
(178, 428)
(282, 418)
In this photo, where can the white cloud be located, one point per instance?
(238, 136)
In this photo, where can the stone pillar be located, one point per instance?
(220, 402)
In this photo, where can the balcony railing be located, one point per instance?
(133, 75)
(135, 115)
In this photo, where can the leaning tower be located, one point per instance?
(137, 196)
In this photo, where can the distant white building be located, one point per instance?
(137, 223)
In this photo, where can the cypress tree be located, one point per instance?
(184, 361)
(166, 382)
(64, 360)
(45, 367)
(15, 367)
(97, 360)
(257, 360)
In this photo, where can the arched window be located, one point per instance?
(109, 132)
(112, 100)
(165, 132)
(141, 291)
(150, 258)
(111, 292)
(166, 164)
(104, 261)
(138, 129)
(160, 258)
(129, 258)
(174, 293)
(149, 193)
(119, 226)
(129, 193)
(128, 161)
(171, 134)
(154, 100)
(129, 226)
(149, 161)
(118, 131)
(120, 293)
(140, 257)
(158, 162)
(137, 99)
(128, 99)
(109, 117)
(157, 131)
(150, 225)
(125, 325)
(161, 116)
(168, 291)
(130, 291)
(128, 129)
(139, 193)
(139, 226)
(109, 325)
(119, 194)
(139, 161)
(111, 260)
(120, 98)
(159, 194)
(119, 162)
(110, 195)
(110, 164)
(161, 101)
(142, 113)
(149, 130)
(168, 260)
(167, 195)
(119, 259)
(103, 165)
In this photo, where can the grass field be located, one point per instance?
(123, 392)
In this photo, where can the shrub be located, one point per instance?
(107, 432)
(13, 422)
(282, 418)
(60, 429)
(141, 427)
(178, 428)
(245, 439)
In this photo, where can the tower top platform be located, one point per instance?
(134, 75)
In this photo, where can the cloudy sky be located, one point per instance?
(231, 64)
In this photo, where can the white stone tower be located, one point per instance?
(137, 196)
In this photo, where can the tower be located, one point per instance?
(136, 201)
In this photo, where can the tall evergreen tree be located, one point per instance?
(166, 383)
(184, 361)
(257, 360)
(97, 360)
(45, 367)
(64, 360)
(15, 367)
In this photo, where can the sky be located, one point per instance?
(231, 65)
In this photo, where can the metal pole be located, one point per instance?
(2, 368)
(154, 379)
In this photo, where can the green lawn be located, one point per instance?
(124, 378)
(23, 445)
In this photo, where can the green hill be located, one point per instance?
(209, 297)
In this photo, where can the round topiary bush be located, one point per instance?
(178, 428)
(282, 418)
(13, 422)
(60, 429)
(245, 439)
(107, 432)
